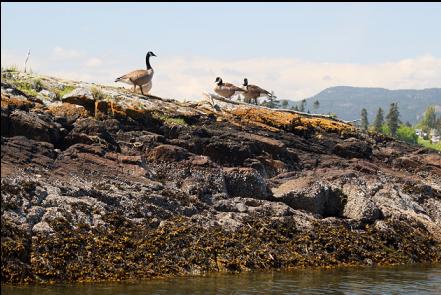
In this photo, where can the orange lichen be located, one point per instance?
(67, 110)
(271, 119)
(15, 103)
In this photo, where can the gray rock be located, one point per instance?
(311, 195)
(253, 206)
(35, 214)
(47, 93)
(359, 206)
(84, 93)
(42, 228)
(246, 183)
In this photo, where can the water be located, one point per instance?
(415, 279)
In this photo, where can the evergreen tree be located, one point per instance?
(392, 118)
(271, 103)
(285, 103)
(379, 120)
(438, 124)
(364, 119)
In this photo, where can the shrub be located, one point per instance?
(407, 134)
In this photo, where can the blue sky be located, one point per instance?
(293, 49)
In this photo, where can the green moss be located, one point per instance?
(168, 120)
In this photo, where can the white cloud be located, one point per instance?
(187, 78)
(291, 78)
(60, 53)
(93, 62)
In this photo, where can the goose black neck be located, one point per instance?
(147, 62)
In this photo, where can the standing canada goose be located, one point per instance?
(145, 88)
(226, 89)
(139, 77)
(252, 92)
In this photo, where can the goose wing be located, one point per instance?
(232, 87)
(255, 88)
(137, 76)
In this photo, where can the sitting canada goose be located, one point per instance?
(139, 77)
(226, 90)
(252, 92)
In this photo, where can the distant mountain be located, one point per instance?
(347, 102)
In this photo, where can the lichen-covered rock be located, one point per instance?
(67, 113)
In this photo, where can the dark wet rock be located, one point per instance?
(353, 148)
(90, 131)
(167, 153)
(31, 125)
(19, 152)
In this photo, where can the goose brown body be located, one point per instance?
(252, 92)
(226, 89)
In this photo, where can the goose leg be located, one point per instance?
(134, 85)
(140, 86)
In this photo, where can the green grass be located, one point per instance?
(98, 94)
(37, 84)
(427, 144)
(59, 93)
(30, 88)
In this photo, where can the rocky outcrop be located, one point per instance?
(99, 183)
(246, 183)
(308, 194)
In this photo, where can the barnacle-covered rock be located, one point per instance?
(246, 183)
